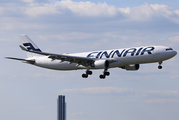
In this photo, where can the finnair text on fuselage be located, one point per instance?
(122, 52)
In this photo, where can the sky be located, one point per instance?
(70, 26)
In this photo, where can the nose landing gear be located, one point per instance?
(160, 67)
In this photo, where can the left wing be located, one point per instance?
(71, 59)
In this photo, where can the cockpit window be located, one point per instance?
(169, 49)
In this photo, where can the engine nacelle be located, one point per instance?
(101, 64)
(131, 67)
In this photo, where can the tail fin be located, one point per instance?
(30, 45)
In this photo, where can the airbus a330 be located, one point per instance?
(126, 58)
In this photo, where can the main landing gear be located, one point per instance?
(88, 72)
(160, 67)
(102, 76)
(105, 73)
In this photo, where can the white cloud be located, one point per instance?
(144, 12)
(78, 8)
(161, 101)
(42, 9)
(164, 9)
(28, 1)
(176, 12)
(125, 10)
(167, 12)
(174, 39)
(89, 8)
(141, 13)
(160, 92)
(97, 90)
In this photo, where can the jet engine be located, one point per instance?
(131, 67)
(101, 64)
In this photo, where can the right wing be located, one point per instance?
(71, 59)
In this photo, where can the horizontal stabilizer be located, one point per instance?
(23, 60)
(23, 48)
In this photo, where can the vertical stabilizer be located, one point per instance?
(30, 45)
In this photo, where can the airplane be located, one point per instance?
(126, 58)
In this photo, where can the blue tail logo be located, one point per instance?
(29, 46)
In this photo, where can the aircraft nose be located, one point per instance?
(171, 54)
(174, 53)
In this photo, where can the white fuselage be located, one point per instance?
(127, 58)
(119, 57)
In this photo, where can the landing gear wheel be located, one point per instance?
(107, 73)
(159, 67)
(89, 72)
(102, 76)
(84, 75)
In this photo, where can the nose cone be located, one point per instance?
(170, 54)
